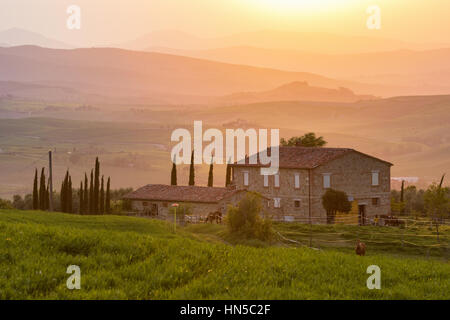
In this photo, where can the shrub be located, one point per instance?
(334, 201)
(245, 219)
(6, 204)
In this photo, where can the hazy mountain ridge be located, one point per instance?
(19, 37)
(123, 73)
(411, 71)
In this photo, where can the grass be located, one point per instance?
(134, 258)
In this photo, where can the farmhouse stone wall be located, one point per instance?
(351, 173)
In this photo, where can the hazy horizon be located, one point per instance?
(106, 23)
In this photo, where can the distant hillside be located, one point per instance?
(20, 37)
(416, 72)
(121, 73)
(296, 91)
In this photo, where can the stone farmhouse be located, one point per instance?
(306, 173)
(295, 193)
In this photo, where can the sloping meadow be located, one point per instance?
(132, 258)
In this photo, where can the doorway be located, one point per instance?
(362, 214)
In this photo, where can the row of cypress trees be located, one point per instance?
(173, 176)
(93, 199)
(41, 193)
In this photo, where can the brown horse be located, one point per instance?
(360, 248)
(214, 217)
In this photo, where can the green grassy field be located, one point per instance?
(133, 258)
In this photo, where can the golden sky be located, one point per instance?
(115, 21)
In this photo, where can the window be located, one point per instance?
(375, 201)
(375, 178)
(277, 180)
(297, 181)
(145, 204)
(326, 180)
(277, 202)
(297, 204)
(245, 178)
(266, 180)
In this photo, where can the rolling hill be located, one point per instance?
(122, 73)
(296, 91)
(413, 72)
(19, 37)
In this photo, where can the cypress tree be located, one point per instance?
(42, 191)
(61, 196)
(108, 197)
(86, 195)
(47, 196)
(173, 177)
(35, 191)
(69, 195)
(102, 198)
(65, 194)
(210, 175)
(228, 176)
(96, 186)
(191, 171)
(91, 194)
(81, 200)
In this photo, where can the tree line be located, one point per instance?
(173, 174)
(93, 197)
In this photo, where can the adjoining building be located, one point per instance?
(157, 199)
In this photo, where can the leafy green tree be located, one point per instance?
(173, 175)
(246, 220)
(5, 204)
(211, 174)
(191, 171)
(437, 203)
(35, 191)
(307, 140)
(335, 201)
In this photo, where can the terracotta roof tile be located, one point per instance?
(307, 157)
(180, 193)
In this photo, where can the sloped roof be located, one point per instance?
(160, 192)
(307, 157)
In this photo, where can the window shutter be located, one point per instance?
(297, 181)
(326, 181)
(375, 178)
(277, 180)
(245, 178)
(266, 180)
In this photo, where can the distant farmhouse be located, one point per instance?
(294, 193)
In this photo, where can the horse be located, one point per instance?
(360, 248)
